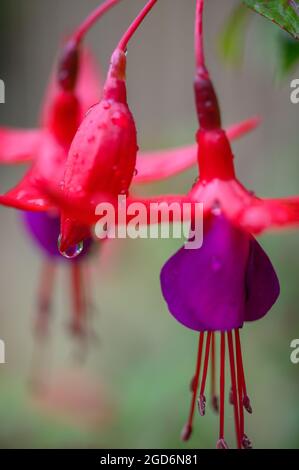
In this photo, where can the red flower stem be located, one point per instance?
(207, 106)
(92, 18)
(222, 385)
(199, 47)
(122, 45)
(213, 373)
(206, 364)
(196, 378)
(234, 387)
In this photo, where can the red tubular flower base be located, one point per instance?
(231, 354)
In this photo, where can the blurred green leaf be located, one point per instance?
(289, 53)
(285, 13)
(231, 40)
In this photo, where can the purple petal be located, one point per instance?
(205, 287)
(44, 230)
(262, 283)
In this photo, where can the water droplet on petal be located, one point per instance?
(135, 172)
(106, 105)
(91, 139)
(73, 251)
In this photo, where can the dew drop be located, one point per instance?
(73, 251)
(135, 172)
(106, 105)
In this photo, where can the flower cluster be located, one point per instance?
(86, 152)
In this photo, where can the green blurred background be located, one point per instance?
(145, 360)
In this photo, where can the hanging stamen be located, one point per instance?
(41, 326)
(79, 305)
(45, 299)
(246, 399)
(221, 444)
(91, 309)
(246, 443)
(234, 387)
(214, 398)
(187, 430)
(202, 399)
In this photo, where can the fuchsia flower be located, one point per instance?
(230, 279)
(82, 161)
(47, 149)
(73, 89)
(102, 160)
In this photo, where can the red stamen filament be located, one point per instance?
(222, 385)
(234, 387)
(245, 398)
(92, 18)
(122, 45)
(213, 375)
(246, 443)
(202, 398)
(188, 427)
(221, 444)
